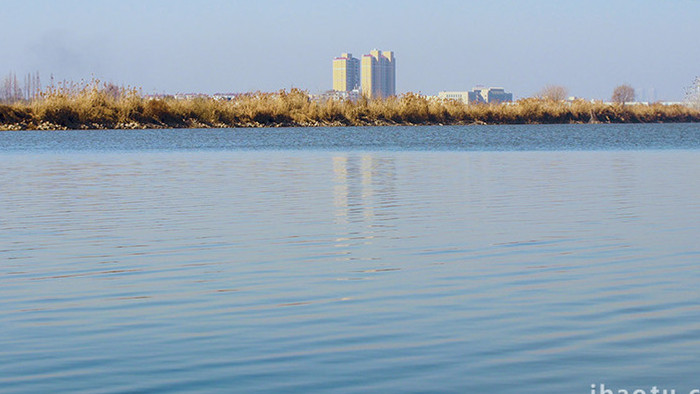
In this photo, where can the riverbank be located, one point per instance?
(92, 107)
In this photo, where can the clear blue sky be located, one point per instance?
(231, 46)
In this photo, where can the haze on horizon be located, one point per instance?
(235, 46)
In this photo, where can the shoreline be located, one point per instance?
(196, 124)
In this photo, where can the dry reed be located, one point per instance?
(99, 106)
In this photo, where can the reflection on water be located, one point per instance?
(348, 271)
(363, 183)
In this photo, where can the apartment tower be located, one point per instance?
(346, 73)
(378, 74)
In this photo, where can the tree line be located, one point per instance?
(622, 94)
(11, 90)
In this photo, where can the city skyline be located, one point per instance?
(374, 76)
(235, 46)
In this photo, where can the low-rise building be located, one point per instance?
(461, 96)
(489, 95)
(338, 95)
(190, 96)
(226, 96)
(479, 95)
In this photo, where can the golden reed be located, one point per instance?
(100, 106)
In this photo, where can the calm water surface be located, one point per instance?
(531, 259)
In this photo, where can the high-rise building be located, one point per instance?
(379, 74)
(346, 73)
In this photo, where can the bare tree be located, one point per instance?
(5, 88)
(37, 80)
(17, 90)
(27, 87)
(32, 86)
(692, 94)
(10, 89)
(623, 94)
(553, 93)
(113, 90)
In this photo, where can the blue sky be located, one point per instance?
(231, 46)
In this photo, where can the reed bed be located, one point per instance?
(98, 106)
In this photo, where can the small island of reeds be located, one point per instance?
(101, 106)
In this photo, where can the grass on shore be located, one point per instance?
(95, 106)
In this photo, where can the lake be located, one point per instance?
(504, 259)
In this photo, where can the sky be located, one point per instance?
(211, 46)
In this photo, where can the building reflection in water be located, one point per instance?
(364, 197)
(340, 189)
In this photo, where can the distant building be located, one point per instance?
(190, 96)
(226, 96)
(378, 72)
(489, 95)
(479, 95)
(346, 73)
(337, 95)
(461, 96)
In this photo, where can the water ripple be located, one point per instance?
(348, 271)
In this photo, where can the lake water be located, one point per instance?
(505, 259)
